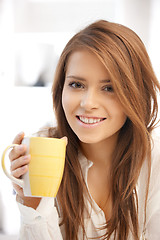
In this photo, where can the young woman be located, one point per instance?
(104, 97)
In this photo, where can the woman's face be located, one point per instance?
(89, 102)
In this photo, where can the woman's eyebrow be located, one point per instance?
(105, 81)
(83, 79)
(76, 77)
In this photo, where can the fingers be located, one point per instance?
(18, 139)
(19, 166)
(18, 172)
(19, 161)
(18, 190)
(17, 151)
(65, 139)
(22, 161)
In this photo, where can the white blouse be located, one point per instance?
(43, 223)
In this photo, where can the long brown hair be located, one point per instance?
(134, 82)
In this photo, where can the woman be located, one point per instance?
(104, 97)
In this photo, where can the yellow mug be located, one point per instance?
(45, 168)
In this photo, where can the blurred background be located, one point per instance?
(32, 35)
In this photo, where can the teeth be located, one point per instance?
(90, 120)
(86, 120)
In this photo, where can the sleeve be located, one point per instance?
(40, 224)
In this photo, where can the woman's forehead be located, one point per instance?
(83, 62)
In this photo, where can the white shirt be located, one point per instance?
(43, 223)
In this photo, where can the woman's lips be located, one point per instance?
(90, 120)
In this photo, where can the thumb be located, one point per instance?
(65, 139)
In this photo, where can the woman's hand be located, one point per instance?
(19, 166)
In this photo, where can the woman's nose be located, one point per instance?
(89, 100)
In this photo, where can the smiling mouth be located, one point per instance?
(90, 120)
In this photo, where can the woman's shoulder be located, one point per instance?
(155, 166)
(154, 185)
(155, 149)
(46, 132)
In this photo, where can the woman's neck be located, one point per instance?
(100, 153)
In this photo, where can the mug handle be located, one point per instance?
(19, 182)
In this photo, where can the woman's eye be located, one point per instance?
(108, 88)
(76, 85)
